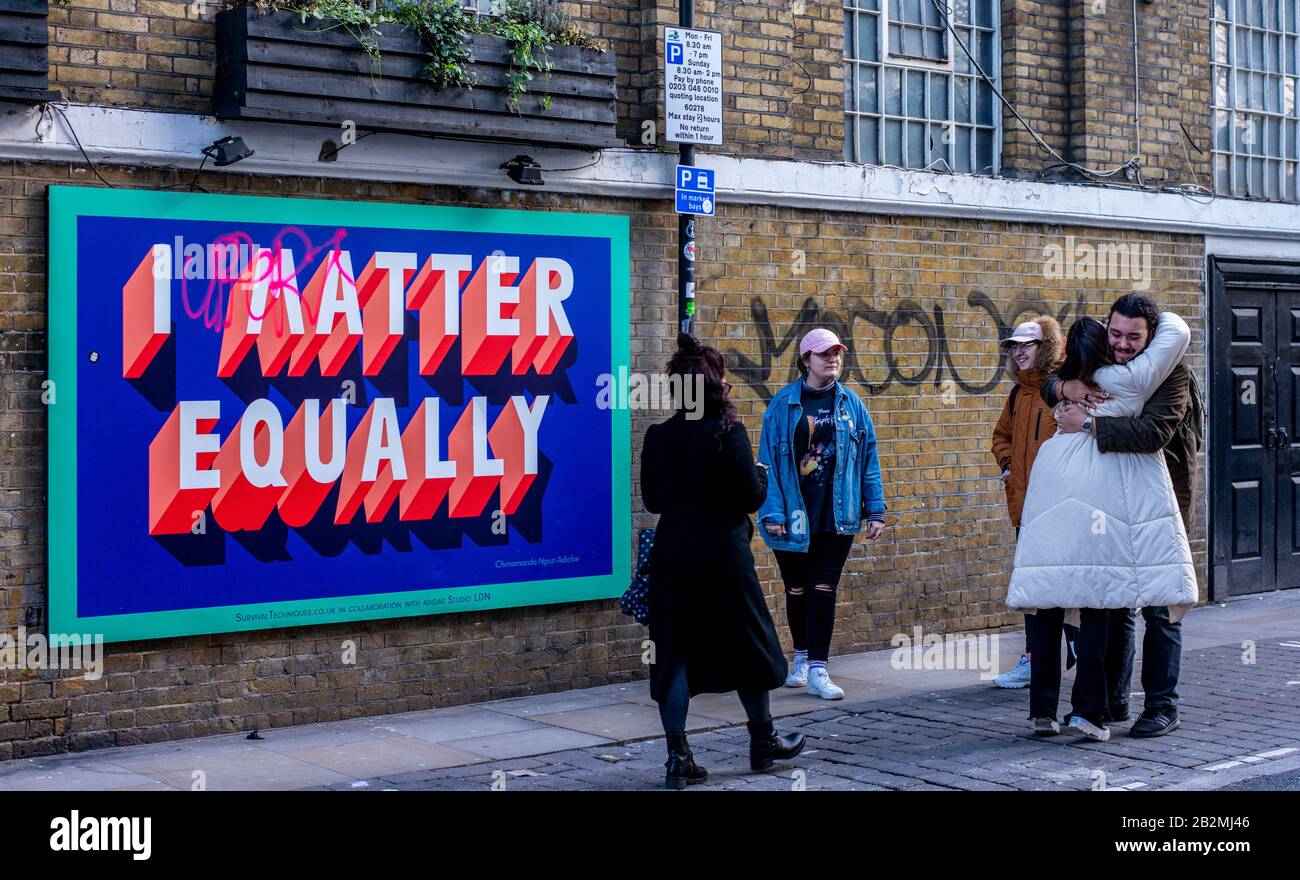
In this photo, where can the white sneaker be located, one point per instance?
(820, 685)
(1088, 729)
(1015, 678)
(798, 676)
(1046, 727)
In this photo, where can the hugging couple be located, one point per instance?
(1105, 516)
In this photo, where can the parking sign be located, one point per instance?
(695, 190)
(692, 86)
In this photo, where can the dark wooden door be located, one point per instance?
(1287, 438)
(1254, 449)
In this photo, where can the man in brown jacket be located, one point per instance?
(1168, 423)
(1034, 350)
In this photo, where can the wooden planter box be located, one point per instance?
(24, 57)
(277, 68)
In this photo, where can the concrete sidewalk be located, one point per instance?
(896, 728)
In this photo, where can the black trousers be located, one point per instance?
(1090, 696)
(810, 611)
(1162, 651)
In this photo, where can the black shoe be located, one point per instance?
(682, 769)
(1155, 722)
(766, 748)
(1118, 713)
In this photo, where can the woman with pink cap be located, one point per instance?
(820, 446)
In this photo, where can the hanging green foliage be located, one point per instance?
(530, 27)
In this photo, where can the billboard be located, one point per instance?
(271, 412)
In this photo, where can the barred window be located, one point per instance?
(1253, 51)
(912, 98)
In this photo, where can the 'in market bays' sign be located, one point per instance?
(274, 412)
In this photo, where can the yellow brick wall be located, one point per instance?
(138, 53)
(1173, 57)
(947, 290)
(1036, 77)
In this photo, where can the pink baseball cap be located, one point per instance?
(819, 340)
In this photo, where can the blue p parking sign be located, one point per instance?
(675, 52)
(695, 190)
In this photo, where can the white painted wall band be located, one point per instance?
(121, 136)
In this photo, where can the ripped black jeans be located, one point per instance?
(810, 582)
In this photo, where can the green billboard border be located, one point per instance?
(67, 204)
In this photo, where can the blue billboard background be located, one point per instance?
(565, 519)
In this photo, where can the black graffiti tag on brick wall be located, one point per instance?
(938, 359)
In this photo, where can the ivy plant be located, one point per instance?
(529, 27)
(529, 41)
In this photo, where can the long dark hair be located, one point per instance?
(1086, 350)
(694, 357)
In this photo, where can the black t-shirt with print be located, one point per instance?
(814, 453)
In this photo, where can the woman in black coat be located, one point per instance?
(709, 624)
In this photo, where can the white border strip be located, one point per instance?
(1262, 249)
(121, 136)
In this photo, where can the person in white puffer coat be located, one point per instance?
(1100, 531)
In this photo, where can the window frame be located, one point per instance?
(856, 10)
(1240, 157)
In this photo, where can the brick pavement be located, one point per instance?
(972, 738)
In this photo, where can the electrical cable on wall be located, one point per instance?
(48, 106)
(194, 181)
(51, 106)
(329, 155)
(596, 161)
(1187, 139)
(794, 44)
(1132, 163)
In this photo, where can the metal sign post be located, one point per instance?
(686, 256)
(693, 115)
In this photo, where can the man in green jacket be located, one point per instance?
(1168, 423)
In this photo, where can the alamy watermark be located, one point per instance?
(222, 260)
(922, 650)
(78, 833)
(24, 650)
(651, 391)
(1107, 261)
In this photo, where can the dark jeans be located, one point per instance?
(1162, 651)
(677, 702)
(1090, 694)
(810, 611)
(1029, 639)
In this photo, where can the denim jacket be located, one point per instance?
(858, 489)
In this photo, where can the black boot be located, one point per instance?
(766, 748)
(682, 769)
